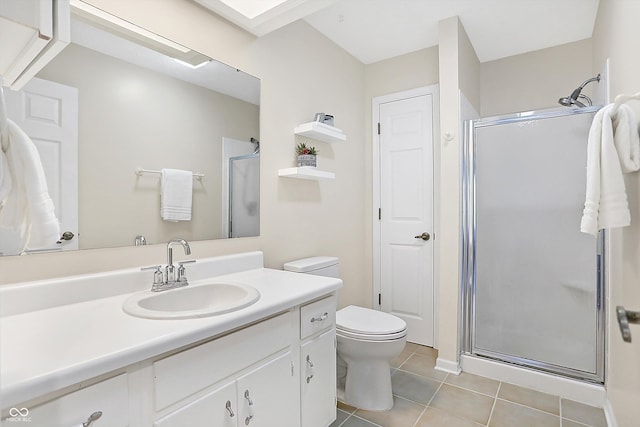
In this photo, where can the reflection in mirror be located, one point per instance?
(105, 108)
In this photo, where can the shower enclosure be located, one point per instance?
(244, 195)
(533, 283)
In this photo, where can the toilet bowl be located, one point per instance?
(367, 342)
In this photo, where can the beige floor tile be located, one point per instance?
(464, 403)
(400, 359)
(414, 387)
(404, 413)
(340, 417)
(475, 383)
(569, 423)
(433, 417)
(346, 408)
(507, 414)
(535, 399)
(423, 365)
(354, 421)
(580, 412)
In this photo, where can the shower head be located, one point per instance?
(572, 99)
(257, 144)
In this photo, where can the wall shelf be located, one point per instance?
(306, 172)
(320, 132)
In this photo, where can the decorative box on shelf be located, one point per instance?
(320, 131)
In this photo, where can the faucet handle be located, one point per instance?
(182, 277)
(157, 274)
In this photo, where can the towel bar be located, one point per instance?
(140, 171)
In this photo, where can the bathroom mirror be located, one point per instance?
(139, 111)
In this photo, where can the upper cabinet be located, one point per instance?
(31, 34)
(320, 132)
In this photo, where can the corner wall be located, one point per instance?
(459, 72)
(616, 36)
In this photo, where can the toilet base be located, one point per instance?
(368, 386)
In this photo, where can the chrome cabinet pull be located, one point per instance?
(625, 317)
(228, 408)
(248, 419)
(92, 418)
(320, 318)
(309, 369)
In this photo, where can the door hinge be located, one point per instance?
(378, 128)
(379, 213)
(379, 299)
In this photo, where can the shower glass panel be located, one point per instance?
(533, 280)
(244, 196)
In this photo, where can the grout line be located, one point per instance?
(495, 399)
(530, 407)
(560, 409)
(472, 391)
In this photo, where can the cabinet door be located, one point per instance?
(318, 378)
(109, 397)
(217, 408)
(268, 395)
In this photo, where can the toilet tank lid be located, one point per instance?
(310, 264)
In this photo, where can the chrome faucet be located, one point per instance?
(169, 278)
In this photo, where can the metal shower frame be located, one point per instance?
(468, 237)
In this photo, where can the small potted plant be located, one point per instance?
(306, 155)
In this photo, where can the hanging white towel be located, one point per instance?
(613, 148)
(176, 195)
(27, 209)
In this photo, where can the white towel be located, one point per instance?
(613, 148)
(176, 195)
(28, 209)
(5, 178)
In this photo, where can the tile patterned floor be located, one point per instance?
(426, 397)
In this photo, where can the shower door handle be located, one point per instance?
(625, 317)
(424, 236)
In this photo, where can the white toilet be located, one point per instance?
(367, 341)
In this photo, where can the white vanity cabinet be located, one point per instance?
(318, 363)
(249, 377)
(109, 397)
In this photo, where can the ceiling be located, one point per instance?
(374, 30)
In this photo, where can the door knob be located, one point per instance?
(67, 235)
(626, 317)
(424, 236)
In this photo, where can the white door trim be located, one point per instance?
(375, 103)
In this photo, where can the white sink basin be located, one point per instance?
(200, 300)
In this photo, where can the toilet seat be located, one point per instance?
(367, 324)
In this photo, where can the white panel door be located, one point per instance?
(406, 201)
(48, 113)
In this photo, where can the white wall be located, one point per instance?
(535, 80)
(616, 37)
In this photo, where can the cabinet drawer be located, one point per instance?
(111, 397)
(185, 373)
(318, 316)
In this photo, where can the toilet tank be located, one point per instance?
(320, 266)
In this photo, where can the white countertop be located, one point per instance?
(46, 350)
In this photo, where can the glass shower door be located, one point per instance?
(534, 277)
